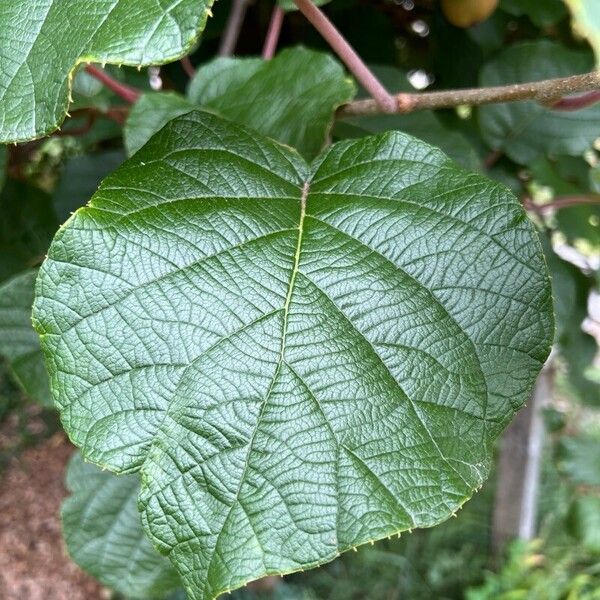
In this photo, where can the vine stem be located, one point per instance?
(128, 93)
(188, 67)
(550, 92)
(273, 33)
(560, 202)
(383, 101)
(233, 27)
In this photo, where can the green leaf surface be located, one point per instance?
(581, 222)
(571, 289)
(213, 81)
(104, 535)
(26, 227)
(564, 175)
(288, 5)
(150, 113)
(579, 459)
(291, 98)
(584, 522)
(423, 124)
(586, 21)
(19, 343)
(299, 358)
(42, 45)
(527, 130)
(594, 176)
(571, 176)
(542, 13)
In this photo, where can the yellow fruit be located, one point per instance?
(464, 13)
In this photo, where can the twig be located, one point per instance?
(128, 93)
(273, 33)
(383, 101)
(233, 27)
(560, 202)
(548, 91)
(188, 67)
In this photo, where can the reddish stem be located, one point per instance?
(560, 202)
(577, 102)
(188, 67)
(273, 33)
(90, 119)
(118, 114)
(384, 100)
(128, 93)
(492, 158)
(233, 27)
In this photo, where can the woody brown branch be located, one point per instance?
(549, 92)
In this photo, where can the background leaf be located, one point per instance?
(19, 343)
(104, 534)
(291, 98)
(542, 14)
(80, 178)
(584, 520)
(423, 124)
(571, 176)
(300, 359)
(571, 289)
(580, 459)
(26, 227)
(149, 114)
(526, 130)
(288, 5)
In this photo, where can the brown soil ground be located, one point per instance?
(33, 561)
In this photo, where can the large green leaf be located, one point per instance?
(291, 98)
(299, 359)
(104, 534)
(42, 43)
(586, 20)
(19, 343)
(527, 130)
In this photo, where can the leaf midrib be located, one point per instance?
(286, 308)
